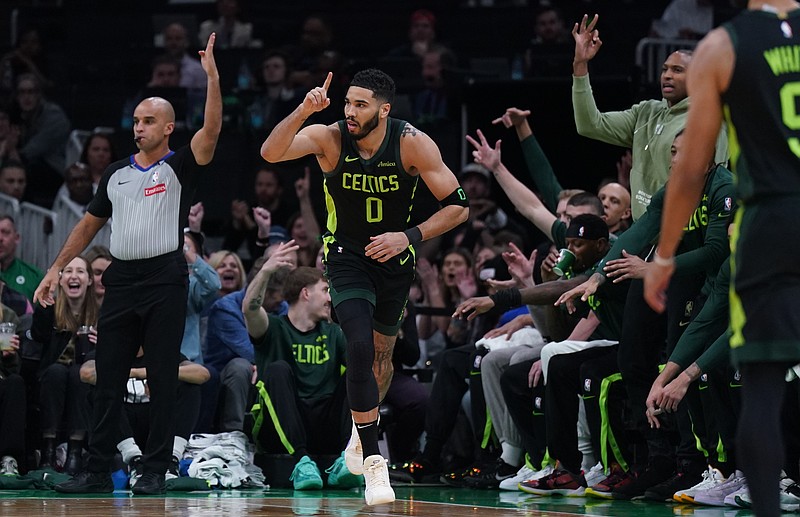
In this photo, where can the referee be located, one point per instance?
(148, 194)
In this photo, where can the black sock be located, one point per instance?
(369, 438)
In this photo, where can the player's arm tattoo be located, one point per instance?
(410, 130)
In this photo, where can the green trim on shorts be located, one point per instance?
(338, 297)
(738, 317)
(386, 330)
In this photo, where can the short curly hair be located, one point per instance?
(377, 81)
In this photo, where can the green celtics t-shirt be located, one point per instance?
(316, 356)
(22, 277)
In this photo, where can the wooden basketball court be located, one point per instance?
(429, 502)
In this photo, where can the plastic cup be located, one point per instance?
(565, 260)
(82, 344)
(6, 331)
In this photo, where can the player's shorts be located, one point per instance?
(765, 285)
(384, 284)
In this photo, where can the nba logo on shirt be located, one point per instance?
(587, 385)
(537, 402)
(728, 204)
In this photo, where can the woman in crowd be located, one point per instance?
(61, 330)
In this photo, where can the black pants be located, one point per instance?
(63, 395)
(409, 401)
(564, 384)
(526, 407)
(458, 365)
(12, 417)
(319, 425)
(135, 421)
(145, 305)
(604, 400)
(641, 349)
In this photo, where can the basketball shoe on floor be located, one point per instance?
(715, 496)
(711, 478)
(376, 475)
(560, 482)
(525, 474)
(617, 477)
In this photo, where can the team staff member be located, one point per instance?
(371, 164)
(745, 67)
(149, 195)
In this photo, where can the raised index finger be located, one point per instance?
(327, 83)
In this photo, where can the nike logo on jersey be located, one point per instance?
(359, 426)
(349, 158)
(123, 182)
(683, 323)
(404, 260)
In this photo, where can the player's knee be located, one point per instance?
(360, 358)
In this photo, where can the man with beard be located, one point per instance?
(148, 194)
(371, 164)
(746, 66)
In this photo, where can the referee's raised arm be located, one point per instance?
(204, 142)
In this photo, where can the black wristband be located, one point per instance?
(262, 241)
(414, 235)
(507, 299)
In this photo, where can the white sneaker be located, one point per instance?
(353, 454)
(595, 475)
(711, 479)
(537, 474)
(524, 473)
(789, 502)
(8, 466)
(716, 496)
(376, 476)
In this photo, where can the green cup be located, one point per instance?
(565, 260)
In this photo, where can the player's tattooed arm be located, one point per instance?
(410, 130)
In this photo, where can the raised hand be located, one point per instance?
(587, 39)
(263, 221)
(519, 267)
(196, 213)
(485, 154)
(207, 58)
(281, 257)
(513, 117)
(317, 99)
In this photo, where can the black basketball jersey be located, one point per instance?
(368, 197)
(763, 104)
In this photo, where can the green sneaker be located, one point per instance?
(305, 475)
(340, 477)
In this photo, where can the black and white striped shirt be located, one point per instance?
(149, 205)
